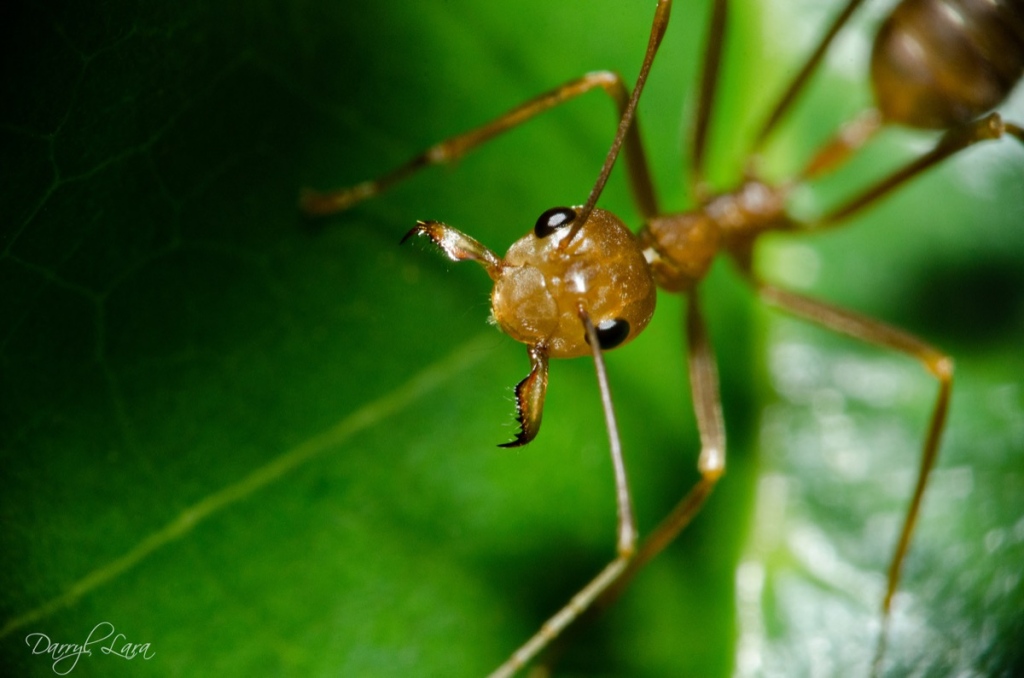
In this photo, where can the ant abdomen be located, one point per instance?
(937, 64)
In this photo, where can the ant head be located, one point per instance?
(560, 266)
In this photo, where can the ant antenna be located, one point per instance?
(661, 15)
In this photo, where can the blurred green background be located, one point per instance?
(267, 446)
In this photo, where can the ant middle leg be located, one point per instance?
(989, 127)
(707, 406)
(703, 370)
(853, 135)
(966, 76)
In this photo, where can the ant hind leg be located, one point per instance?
(935, 362)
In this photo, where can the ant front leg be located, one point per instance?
(316, 204)
(938, 364)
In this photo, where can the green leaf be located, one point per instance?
(268, 446)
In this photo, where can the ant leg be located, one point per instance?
(314, 203)
(851, 137)
(707, 405)
(937, 363)
(706, 103)
(953, 141)
(798, 83)
(626, 543)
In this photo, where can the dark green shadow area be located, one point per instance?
(267, 446)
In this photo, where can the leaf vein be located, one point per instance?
(433, 376)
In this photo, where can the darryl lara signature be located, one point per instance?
(103, 637)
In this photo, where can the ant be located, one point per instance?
(580, 282)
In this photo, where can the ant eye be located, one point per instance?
(552, 220)
(611, 333)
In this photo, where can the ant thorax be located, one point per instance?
(550, 273)
(681, 247)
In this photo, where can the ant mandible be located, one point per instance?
(580, 282)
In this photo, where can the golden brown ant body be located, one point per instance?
(580, 282)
